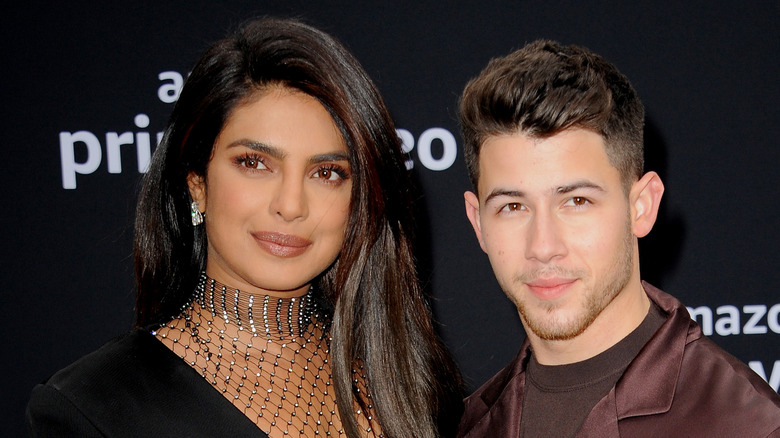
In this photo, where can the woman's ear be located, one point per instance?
(645, 198)
(197, 186)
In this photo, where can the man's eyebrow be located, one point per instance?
(503, 192)
(568, 188)
(267, 149)
(579, 185)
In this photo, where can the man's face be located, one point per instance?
(554, 219)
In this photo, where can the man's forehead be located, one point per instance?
(517, 162)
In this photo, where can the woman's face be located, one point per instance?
(276, 196)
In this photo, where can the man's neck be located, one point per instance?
(615, 322)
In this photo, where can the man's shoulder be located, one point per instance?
(713, 394)
(503, 391)
(704, 364)
(490, 391)
(722, 378)
(707, 389)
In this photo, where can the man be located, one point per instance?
(553, 144)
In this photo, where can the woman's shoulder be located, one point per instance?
(120, 356)
(130, 368)
(133, 386)
(83, 398)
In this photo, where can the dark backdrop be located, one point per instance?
(707, 73)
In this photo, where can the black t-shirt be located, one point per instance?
(558, 398)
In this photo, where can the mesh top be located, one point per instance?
(269, 357)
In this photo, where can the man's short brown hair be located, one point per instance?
(545, 88)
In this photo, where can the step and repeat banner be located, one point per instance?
(88, 87)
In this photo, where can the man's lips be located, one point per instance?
(549, 288)
(282, 245)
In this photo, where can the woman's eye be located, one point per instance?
(331, 174)
(251, 162)
(327, 174)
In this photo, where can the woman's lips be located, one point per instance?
(282, 245)
(550, 288)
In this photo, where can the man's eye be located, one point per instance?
(579, 201)
(511, 207)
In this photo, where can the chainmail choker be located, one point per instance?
(269, 356)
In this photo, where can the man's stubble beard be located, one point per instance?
(550, 325)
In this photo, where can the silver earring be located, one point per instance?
(197, 216)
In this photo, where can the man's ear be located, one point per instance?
(472, 212)
(645, 198)
(197, 186)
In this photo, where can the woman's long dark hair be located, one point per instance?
(380, 315)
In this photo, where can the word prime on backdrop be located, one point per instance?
(82, 152)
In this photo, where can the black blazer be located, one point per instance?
(133, 386)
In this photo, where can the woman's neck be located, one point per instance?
(269, 356)
(268, 316)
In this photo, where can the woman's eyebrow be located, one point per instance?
(280, 154)
(332, 156)
(267, 149)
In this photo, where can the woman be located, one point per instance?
(276, 285)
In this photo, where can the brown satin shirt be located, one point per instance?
(680, 384)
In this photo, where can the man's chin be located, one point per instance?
(558, 329)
